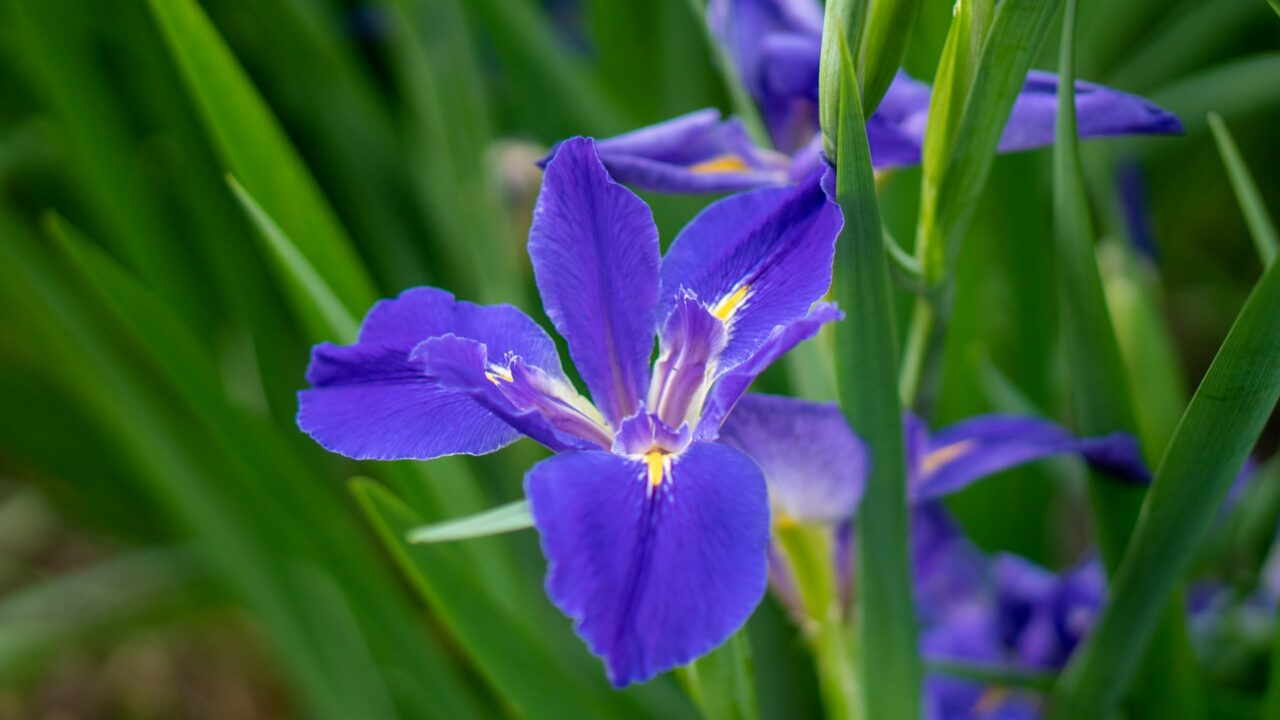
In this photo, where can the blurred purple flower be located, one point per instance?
(775, 47)
(1003, 612)
(656, 535)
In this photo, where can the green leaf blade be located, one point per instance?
(256, 150)
(496, 521)
(1212, 441)
(867, 375)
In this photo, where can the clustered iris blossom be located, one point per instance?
(1001, 611)
(656, 534)
(775, 46)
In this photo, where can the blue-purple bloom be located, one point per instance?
(775, 47)
(656, 534)
(1004, 612)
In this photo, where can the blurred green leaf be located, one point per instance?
(1168, 686)
(1238, 87)
(1219, 428)
(41, 619)
(867, 375)
(722, 682)
(257, 151)
(1261, 227)
(504, 519)
(313, 299)
(205, 461)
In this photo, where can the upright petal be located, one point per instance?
(730, 386)
(813, 463)
(759, 260)
(691, 341)
(693, 153)
(371, 401)
(976, 448)
(653, 574)
(595, 256)
(1100, 111)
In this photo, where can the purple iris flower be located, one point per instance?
(775, 46)
(655, 534)
(1002, 611)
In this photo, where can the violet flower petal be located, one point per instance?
(371, 401)
(595, 257)
(693, 153)
(968, 451)
(653, 575)
(759, 260)
(814, 465)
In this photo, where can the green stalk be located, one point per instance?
(867, 376)
(810, 551)
(1261, 227)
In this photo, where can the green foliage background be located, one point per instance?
(155, 322)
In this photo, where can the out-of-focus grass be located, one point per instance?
(150, 348)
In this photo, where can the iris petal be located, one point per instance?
(768, 253)
(370, 401)
(652, 579)
(968, 451)
(813, 463)
(543, 406)
(595, 256)
(729, 387)
(693, 153)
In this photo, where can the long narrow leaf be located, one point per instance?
(256, 150)
(1223, 422)
(866, 372)
(504, 519)
(315, 302)
(1261, 226)
(1168, 687)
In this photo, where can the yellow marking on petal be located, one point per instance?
(657, 462)
(499, 374)
(785, 521)
(991, 700)
(730, 304)
(944, 455)
(728, 163)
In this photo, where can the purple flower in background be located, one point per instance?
(1003, 611)
(997, 611)
(775, 47)
(816, 467)
(655, 534)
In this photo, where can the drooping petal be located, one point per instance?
(813, 463)
(544, 406)
(973, 449)
(595, 257)
(371, 401)
(1101, 112)
(773, 42)
(693, 153)
(896, 130)
(759, 260)
(654, 574)
(729, 387)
